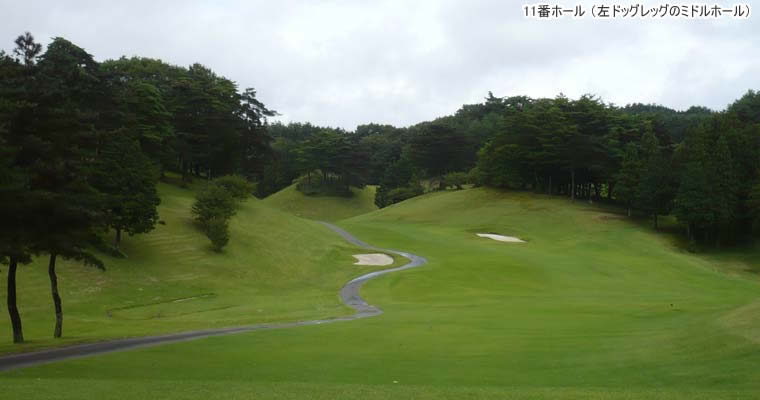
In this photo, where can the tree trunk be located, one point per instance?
(56, 297)
(185, 171)
(117, 240)
(629, 210)
(550, 185)
(572, 184)
(18, 334)
(655, 220)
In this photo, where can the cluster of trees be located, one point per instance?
(191, 120)
(329, 160)
(83, 144)
(216, 203)
(333, 160)
(699, 165)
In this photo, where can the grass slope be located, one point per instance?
(324, 208)
(592, 307)
(276, 267)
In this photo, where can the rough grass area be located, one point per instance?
(321, 207)
(277, 267)
(591, 307)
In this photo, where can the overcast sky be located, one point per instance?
(343, 63)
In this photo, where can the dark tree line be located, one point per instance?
(699, 165)
(83, 145)
(328, 160)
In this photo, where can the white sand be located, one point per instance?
(501, 238)
(373, 259)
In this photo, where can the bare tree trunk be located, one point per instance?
(18, 334)
(56, 298)
(655, 220)
(572, 184)
(117, 240)
(550, 185)
(185, 171)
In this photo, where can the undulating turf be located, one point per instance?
(323, 208)
(277, 267)
(592, 306)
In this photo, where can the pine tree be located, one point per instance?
(60, 166)
(128, 180)
(627, 180)
(656, 187)
(20, 225)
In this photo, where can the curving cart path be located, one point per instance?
(349, 294)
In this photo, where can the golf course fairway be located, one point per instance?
(592, 306)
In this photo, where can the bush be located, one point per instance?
(218, 232)
(385, 196)
(213, 201)
(317, 186)
(456, 179)
(475, 177)
(236, 185)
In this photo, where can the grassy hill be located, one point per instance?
(277, 267)
(592, 306)
(324, 208)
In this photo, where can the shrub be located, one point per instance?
(236, 185)
(385, 196)
(456, 179)
(218, 232)
(475, 177)
(317, 186)
(213, 201)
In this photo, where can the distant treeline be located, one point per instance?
(700, 165)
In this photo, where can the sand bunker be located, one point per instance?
(501, 238)
(373, 259)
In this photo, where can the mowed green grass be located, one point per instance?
(277, 267)
(323, 208)
(592, 306)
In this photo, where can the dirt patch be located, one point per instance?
(501, 238)
(373, 259)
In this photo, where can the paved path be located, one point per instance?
(349, 294)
